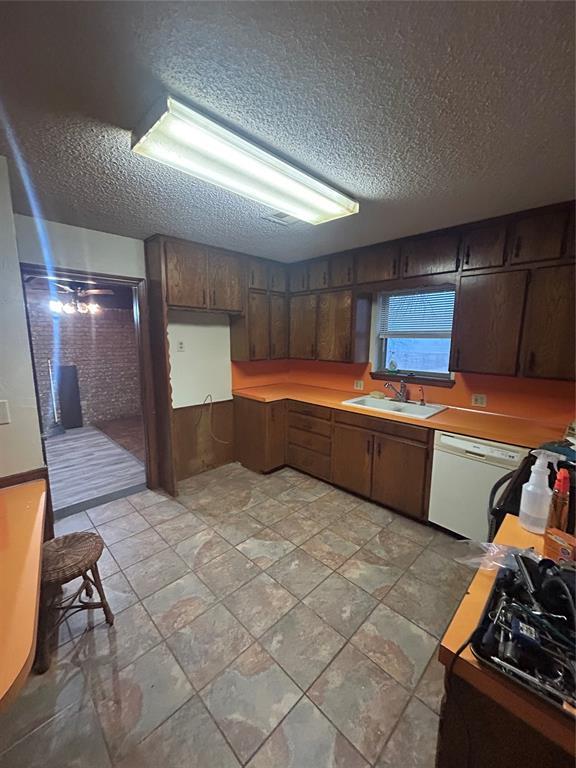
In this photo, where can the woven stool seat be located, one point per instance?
(67, 557)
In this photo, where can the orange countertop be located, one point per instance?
(489, 426)
(540, 715)
(22, 509)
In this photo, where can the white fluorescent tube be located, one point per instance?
(184, 139)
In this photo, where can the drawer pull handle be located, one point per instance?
(467, 257)
(517, 248)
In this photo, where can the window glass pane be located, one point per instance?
(427, 355)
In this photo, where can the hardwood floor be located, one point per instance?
(127, 432)
(87, 468)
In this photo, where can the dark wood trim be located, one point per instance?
(412, 378)
(141, 325)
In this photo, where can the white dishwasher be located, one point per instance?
(464, 469)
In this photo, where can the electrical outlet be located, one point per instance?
(180, 346)
(358, 384)
(4, 412)
(480, 400)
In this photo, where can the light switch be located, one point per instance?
(358, 384)
(4, 412)
(180, 346)
(480, 400)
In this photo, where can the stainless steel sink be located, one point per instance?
(412, 409)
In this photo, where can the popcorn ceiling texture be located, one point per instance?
(431, 114)
(103, 348)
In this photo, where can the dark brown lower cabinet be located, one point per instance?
(399, 475)
(352, 458)
(260, 434)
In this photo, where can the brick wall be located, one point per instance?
(102, 347)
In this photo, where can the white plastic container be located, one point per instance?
(536, 494)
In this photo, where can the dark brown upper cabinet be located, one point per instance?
(377, 263)
(186, 278)
(278, 327)
(317, 274)
(548, 341)
(334, 335)
(430, 255)
(341, 270)
(277, 277)
(303, 327)
(488, 323)
(257, 274)
(299, 277)
(483, 247)
(539, 236)
(258, 324)
(225, 281)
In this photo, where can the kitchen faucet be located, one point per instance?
(400, 395)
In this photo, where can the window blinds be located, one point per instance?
(423, 314)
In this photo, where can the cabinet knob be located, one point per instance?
(368, 446)
(467, 256)
(517, 248)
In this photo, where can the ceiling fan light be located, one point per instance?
(93, 308)
(82, 307)
(55, 306)
(182, 138)
(69, 308)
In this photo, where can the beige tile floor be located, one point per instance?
(273, 622)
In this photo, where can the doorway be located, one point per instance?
(91, 360)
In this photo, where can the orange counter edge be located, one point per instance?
(14, 675)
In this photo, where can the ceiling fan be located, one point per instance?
(81, 293)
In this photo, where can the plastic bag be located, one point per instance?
(489, 556)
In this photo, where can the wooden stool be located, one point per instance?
(63, 559)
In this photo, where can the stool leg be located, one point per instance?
(88, 588)
(106, 608)
(44, 632)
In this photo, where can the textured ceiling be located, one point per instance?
(430, 114)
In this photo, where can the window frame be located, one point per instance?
(380, 341)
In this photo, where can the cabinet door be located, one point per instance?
(548, 340)
(277, 277)
(334, 331)
(276, 439)
(484, 247)
(299, 277)
(257, 274)
(488, 323)
(378, 262)
(352, 459)
(224, 282)
(303, 327)
(258, 325)
(539, 237)
(317, 274)
(399, 475)
(185, 274)
(430, 255)
(278, 327)
(341, 270)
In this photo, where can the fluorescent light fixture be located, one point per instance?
(178, 136)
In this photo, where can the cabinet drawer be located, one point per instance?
(309, 461)
(309, 424)
(309, 440)
(318, 411)
(406, 431)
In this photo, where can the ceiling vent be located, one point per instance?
(283, 219)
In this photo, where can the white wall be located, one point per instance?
(20, 446)
(84, 249)
(202, 367)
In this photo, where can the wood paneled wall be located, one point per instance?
(195, 449)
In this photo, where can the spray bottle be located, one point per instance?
(536, 493)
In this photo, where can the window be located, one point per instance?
(413, 331)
